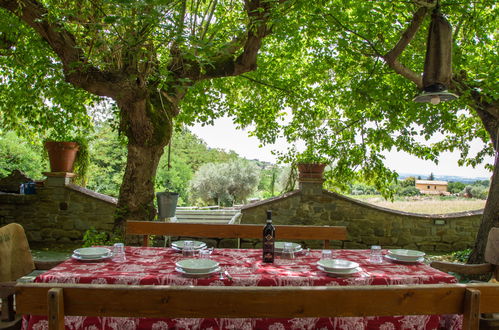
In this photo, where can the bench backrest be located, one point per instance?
(254, 302)
(206, 216)
(233, 231)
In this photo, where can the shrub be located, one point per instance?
(461, 256)
(94, 237)
(408, 191)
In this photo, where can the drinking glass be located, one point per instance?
(188, 249)
(205, 254)
(288, 251)
(327, 254)
(119, 252)
(376, 257)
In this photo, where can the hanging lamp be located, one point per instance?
(438, 62)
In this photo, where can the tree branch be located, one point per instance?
(408, 35)
(391, 57)
(344, 27)
(63, 43)
(226, 64)
(405, 72)
(266, 84)
(488, 112)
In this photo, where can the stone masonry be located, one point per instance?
(366, 224)
(61, 212)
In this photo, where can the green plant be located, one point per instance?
(94, 237)
(462, 255)
(311, 156)
(82, 161)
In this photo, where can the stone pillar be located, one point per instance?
(310, 178)
(58, 179)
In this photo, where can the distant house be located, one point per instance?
(432, 187)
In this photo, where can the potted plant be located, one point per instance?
(69, 154)
(310, 164)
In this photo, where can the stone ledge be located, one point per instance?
(270, 200)
(11, 198)
(410, 214)
(93, 194)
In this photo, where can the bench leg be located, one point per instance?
(56, 309)
(8, 313)
(471, 317)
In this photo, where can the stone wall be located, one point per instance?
(59, 212)
(366, 224)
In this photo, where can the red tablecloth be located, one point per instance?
(156, 266)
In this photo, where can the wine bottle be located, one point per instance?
(268, 239)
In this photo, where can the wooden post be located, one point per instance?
(7, 313)
(471, 317)
(145, 240)
(56, 309)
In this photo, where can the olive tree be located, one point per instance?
(225, 183)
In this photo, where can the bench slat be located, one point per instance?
(251, 302)
(234, 230)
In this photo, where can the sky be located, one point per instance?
(224, 135)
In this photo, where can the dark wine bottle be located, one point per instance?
(268, 239)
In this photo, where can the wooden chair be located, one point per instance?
(490, 267)
(57, 300)
(146, 228)
(15, 263)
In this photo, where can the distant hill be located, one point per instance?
(443, 177)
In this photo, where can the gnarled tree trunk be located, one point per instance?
(489, 114)
(149, 130)
(490, 217)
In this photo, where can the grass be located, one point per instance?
(426, 204)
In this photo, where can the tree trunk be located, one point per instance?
(490, 217)
(488, 112)
(149, 130)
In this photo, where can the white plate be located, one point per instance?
(279, 246)
(195, 244)
(337, 265)
(91, 252)
(197, 266)
(180, 270)
(349, 272)
(406, 255)
(404, 261)
(80, 258)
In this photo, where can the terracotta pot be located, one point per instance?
(62, 155)
(310, 170)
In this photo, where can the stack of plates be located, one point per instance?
(279, 246)
(91, 254)
(337, 267)
(405, 256)
(197, 245)
(197, 267)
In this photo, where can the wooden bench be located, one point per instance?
(207, 216)
(57, 300)
(146, 228)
